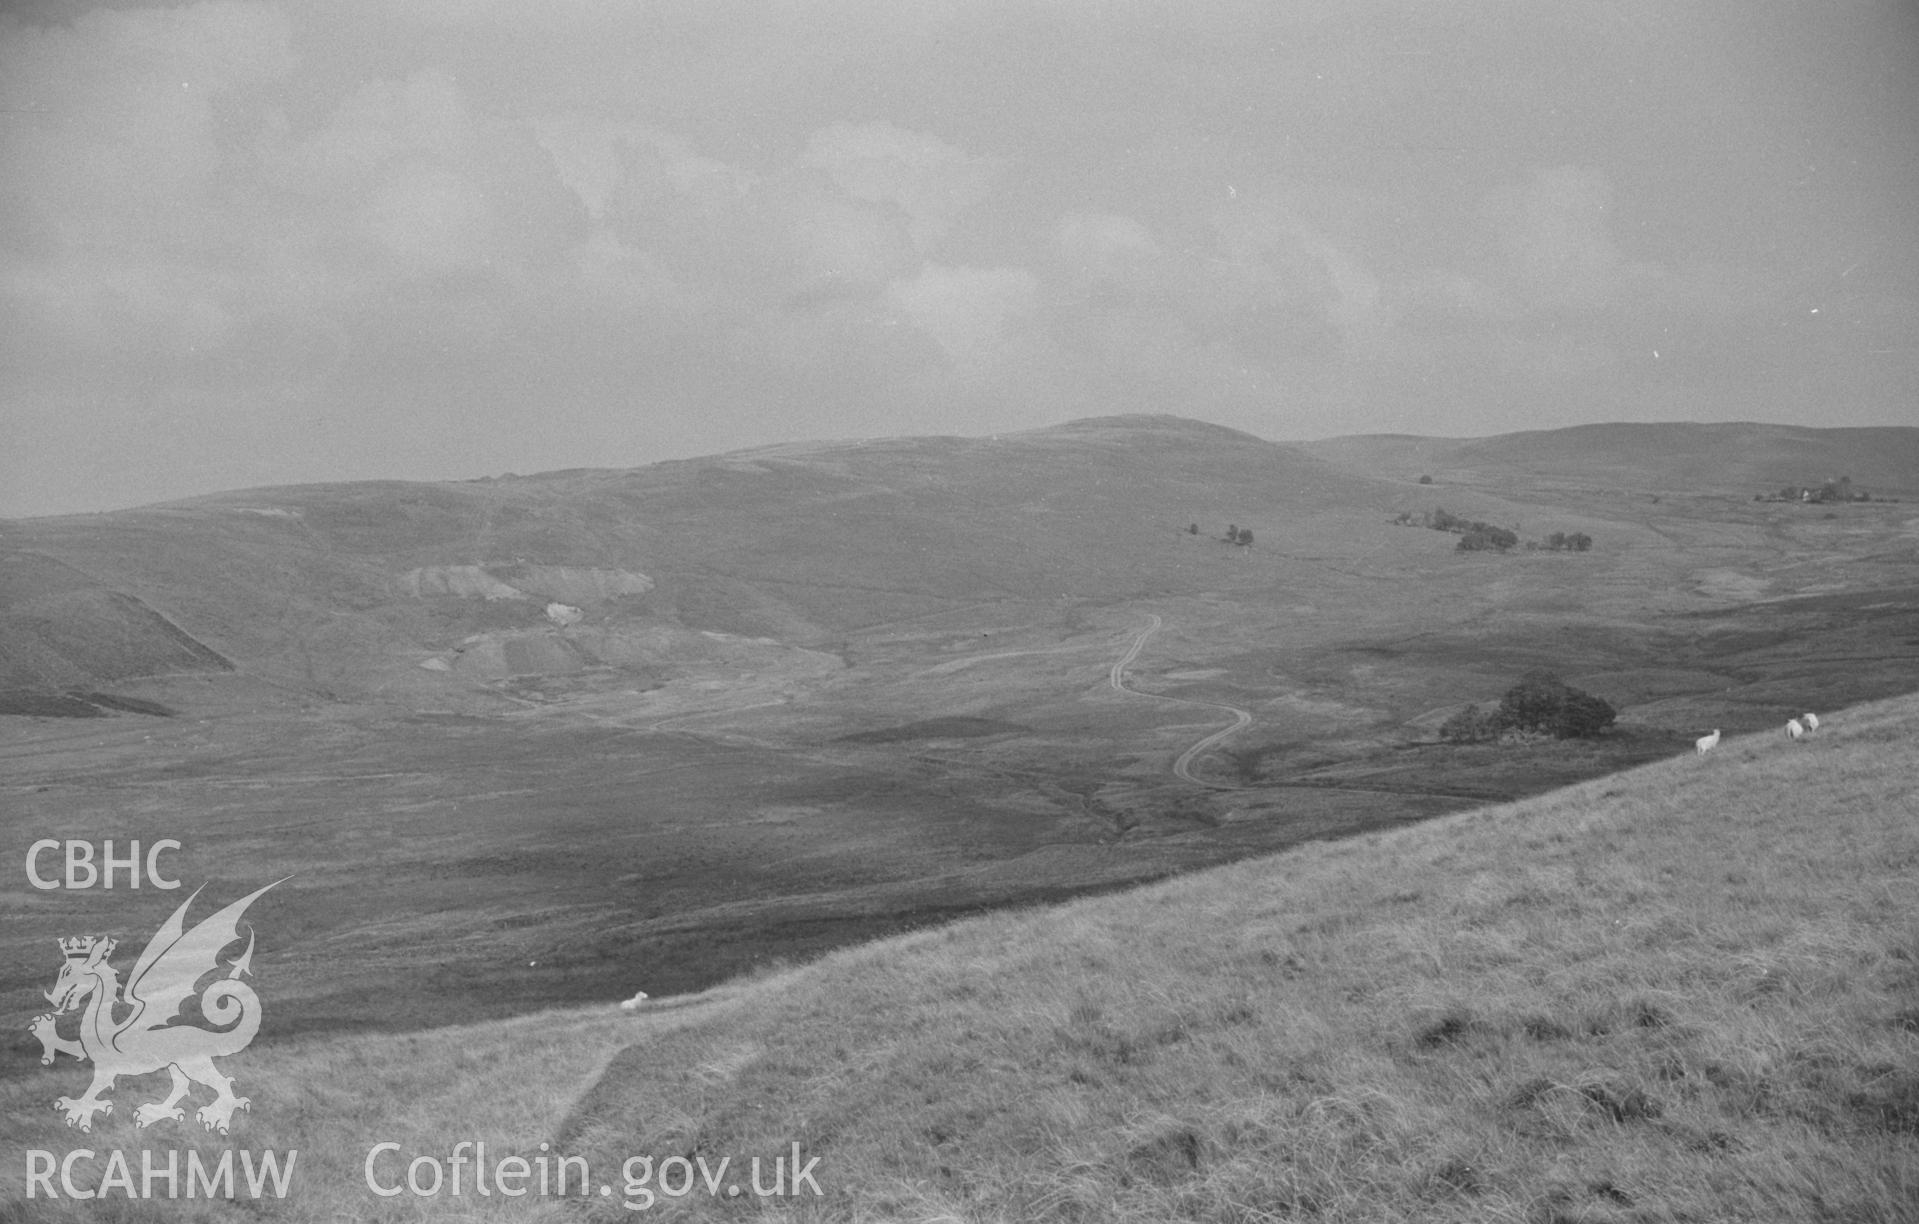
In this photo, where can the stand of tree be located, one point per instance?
(1477, 536)
(1540, 704)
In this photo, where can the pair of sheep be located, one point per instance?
(1796, 728)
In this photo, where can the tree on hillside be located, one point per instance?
(1481, 537)
(1245, 537)
(1540, 704)
(1543, 702)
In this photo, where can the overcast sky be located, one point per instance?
(254, 242)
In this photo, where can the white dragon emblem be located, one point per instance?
(144, 1039)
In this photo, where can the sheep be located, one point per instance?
(1793, 729)
(633, 1004)
(1811, 721)
(1706, 743)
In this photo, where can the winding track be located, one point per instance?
(1183, 766)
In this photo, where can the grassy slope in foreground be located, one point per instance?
(1687, 992)
(1690, 991)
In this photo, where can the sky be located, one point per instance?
(253, 242)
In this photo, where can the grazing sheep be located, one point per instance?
(633, 1004)
(1706, 743)
(1794, 730)
(1811, 721)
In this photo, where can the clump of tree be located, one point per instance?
(1484, 537)
(1540, 704)
(1474, 535)
(1236, 534)
(1477, 536)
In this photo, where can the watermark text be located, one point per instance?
(83, 873)
(162, 1174)
(643, 1182)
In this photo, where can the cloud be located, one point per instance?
(966, 310)
(1105, 244)
(409, 167)
(840, 247)
(119, 244)
(601, 159)
(108, 127)
(800, 217)
(1556, 231)
(930, 181)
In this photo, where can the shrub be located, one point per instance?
(1425, 480)
(1578, 541)
(1471, 725)
(1481, 537)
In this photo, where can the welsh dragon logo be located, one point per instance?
(144, 1038)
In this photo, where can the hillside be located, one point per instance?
(1689, 991)
(1672, 457)
(339, 590)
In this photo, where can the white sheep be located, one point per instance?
(1811, 721)
(1794, 730)
(633, 1004)
(1706, 743)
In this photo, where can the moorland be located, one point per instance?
(529, 741)
(1685, 991)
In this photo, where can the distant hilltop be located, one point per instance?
(329, 588)
(1731, 457)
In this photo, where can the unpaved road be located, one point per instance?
(1183, 766)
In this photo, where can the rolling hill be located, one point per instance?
(1732, 457)
(703, 716)
(341, 588)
